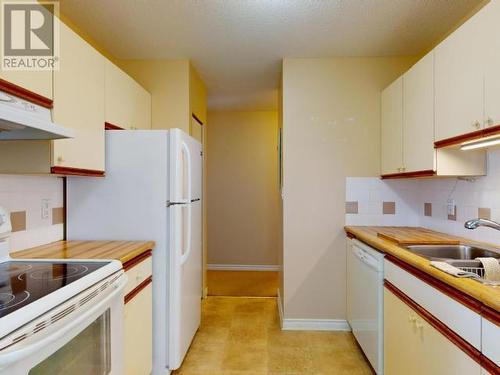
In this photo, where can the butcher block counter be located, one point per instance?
(125, 251)
(488, 295)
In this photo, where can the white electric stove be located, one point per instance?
(59, 316)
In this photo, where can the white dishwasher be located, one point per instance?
(365, 300)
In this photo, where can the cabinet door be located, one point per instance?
(418, 130)
(401, 354)
(138, 345)
(492, 62)
(79, 103)
(37, 82)
(459, 75)
(392, 127)
(128, 104)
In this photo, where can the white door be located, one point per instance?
(186, 246)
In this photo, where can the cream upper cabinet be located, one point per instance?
(418, 129)
(392, 128)
(79, 103)
(128, 104)
(459, 79)
(492, 64)
(413, 346)
(37, 82)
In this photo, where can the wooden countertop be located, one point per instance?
(488, 295)
(123, 251)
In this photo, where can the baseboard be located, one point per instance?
(310, 324)
(280, 308)
(242, 267)
(315, 325)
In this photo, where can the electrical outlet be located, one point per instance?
(45, 209)
(450, 207)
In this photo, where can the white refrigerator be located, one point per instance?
(152, 191)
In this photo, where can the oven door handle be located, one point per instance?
(8, 357)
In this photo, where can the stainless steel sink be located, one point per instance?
(452, 252)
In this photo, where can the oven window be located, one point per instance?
(89, 353)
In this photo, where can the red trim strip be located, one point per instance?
(489, 365)
(138, 289)
(197, 119)
(492, 130)
(25, 94)
(417, 174)
(110, 126)
(436, 323)
(450, 291)
(68, 171)
(138, 259)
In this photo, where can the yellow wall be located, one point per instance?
(331, 120)
(168, 83)
(242, 190)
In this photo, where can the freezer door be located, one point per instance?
(185, 245)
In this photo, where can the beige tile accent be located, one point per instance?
(454, 216)
(351, 207)
(484, 213)
(389, 208)
(58, 215)
(427, 209)
(18, 221)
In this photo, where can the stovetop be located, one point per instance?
(23, 282)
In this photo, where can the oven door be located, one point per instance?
(85, 342)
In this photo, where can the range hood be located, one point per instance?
(23, 120)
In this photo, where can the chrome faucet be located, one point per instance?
(475, 223)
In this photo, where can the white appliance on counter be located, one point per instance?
(152, 191)
(59, 316)
(365, 300)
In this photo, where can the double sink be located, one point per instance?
(461, 256)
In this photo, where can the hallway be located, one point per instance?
(242, 336)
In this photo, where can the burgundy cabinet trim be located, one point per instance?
(25, 94)
(490, 314)
(138, 289)
(110, 126)
(493, 130)
(467, 348)
(138, 259)
(450, 291)
(416, 174)
(69, 171)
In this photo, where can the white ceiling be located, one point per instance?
(237, 45)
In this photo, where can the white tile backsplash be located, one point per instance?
(410, 196)
(25, 193)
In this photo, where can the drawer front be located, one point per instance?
(138, 273)
(459, 318)
(491, 340)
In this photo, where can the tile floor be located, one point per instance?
(242, 283)
(242, 336)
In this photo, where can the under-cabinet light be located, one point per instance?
(481, 143)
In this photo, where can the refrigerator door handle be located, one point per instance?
(187, 156)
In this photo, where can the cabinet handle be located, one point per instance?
(419, 325)
(412, 318)
(60, 160)
(476, 124)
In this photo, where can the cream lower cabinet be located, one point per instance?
(138, 349)
(128, 104)
(138, 326)
(413, 346)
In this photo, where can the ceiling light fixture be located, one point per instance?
(481, 143)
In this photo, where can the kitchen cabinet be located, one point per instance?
(138, 321)
(79, 103)
(459, 79)
(392, 128)
(128, 104)
(492, 62)
(413, 346)
(418, 115)
(39, 82)
(490, 337)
